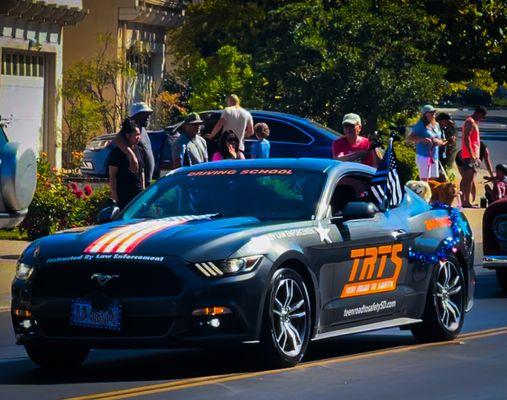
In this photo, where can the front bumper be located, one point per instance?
(152, 321)
(494, 262)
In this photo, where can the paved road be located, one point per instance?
(386, 364)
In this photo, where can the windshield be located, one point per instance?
(260, 193)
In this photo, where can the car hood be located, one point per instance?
(192, 238)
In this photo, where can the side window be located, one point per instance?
(350, 188)
(284, 132)
(210, 119)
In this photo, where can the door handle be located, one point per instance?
(399, 234)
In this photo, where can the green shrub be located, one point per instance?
(407, 168)
(57, 205)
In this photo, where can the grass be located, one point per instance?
(12, 234)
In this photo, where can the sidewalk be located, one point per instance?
(11, 249)
(9, 253)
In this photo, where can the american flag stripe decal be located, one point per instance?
(127, 238)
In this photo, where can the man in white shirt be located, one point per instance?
(234, 118)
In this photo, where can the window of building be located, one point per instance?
(22, 64)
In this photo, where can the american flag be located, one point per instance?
(385, 185)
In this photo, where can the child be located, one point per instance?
(499, 190)
(260, 149)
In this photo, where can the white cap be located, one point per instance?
(427, 108)
(352, 119)
(139, 107)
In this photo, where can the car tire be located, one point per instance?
(444, 312)
(286, 320)
(501, 277)
(57, 356)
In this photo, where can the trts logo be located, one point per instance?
(375, 270)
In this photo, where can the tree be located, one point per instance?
(217, 76)
(323, 63)
(94, 91)
(380, 58)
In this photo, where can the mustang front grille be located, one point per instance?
(130, 280)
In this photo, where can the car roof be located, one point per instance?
(313, 164)
(272, 114)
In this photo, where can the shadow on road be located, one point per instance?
(134, 366)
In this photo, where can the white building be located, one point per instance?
(31, 70)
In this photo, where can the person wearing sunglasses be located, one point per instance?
(228, 148)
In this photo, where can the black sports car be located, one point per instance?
(278, 251)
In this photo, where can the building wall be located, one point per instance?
(128, 27)
(19, 95)
(31, 73)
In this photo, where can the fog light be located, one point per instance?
(211, 311)
(214, 323)
(22, 313)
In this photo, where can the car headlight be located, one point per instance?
(98, 144)
(228, 267)
(23, 271)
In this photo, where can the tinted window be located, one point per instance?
(288, 195)
(284, 132)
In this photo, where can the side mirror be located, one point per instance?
(359, 210)
(108, 214)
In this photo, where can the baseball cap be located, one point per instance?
(139, 107)
(351, 118)
(427, 108)
(193, 118)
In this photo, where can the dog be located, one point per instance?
(421, 188)
(444, 192)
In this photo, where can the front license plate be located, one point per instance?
(83, 314)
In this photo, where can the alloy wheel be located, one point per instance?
(290, 317)
(449, 293)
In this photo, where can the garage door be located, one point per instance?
(22, 97)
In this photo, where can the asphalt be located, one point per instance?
(384, 364)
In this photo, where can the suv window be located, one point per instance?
(284, 132)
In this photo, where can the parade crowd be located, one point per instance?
(131, 165)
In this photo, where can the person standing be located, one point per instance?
(470, 154)
(190, 148)
(484, 156)
(234, 118)
(260, 148)
(351, 146)
(126, 184)
(140, 113)
(427, 136)
(228, 148)
(448, 152)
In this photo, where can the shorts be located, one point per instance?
(469, 164)
(428, 167)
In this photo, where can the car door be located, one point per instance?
(363, 276)
(286, 139)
